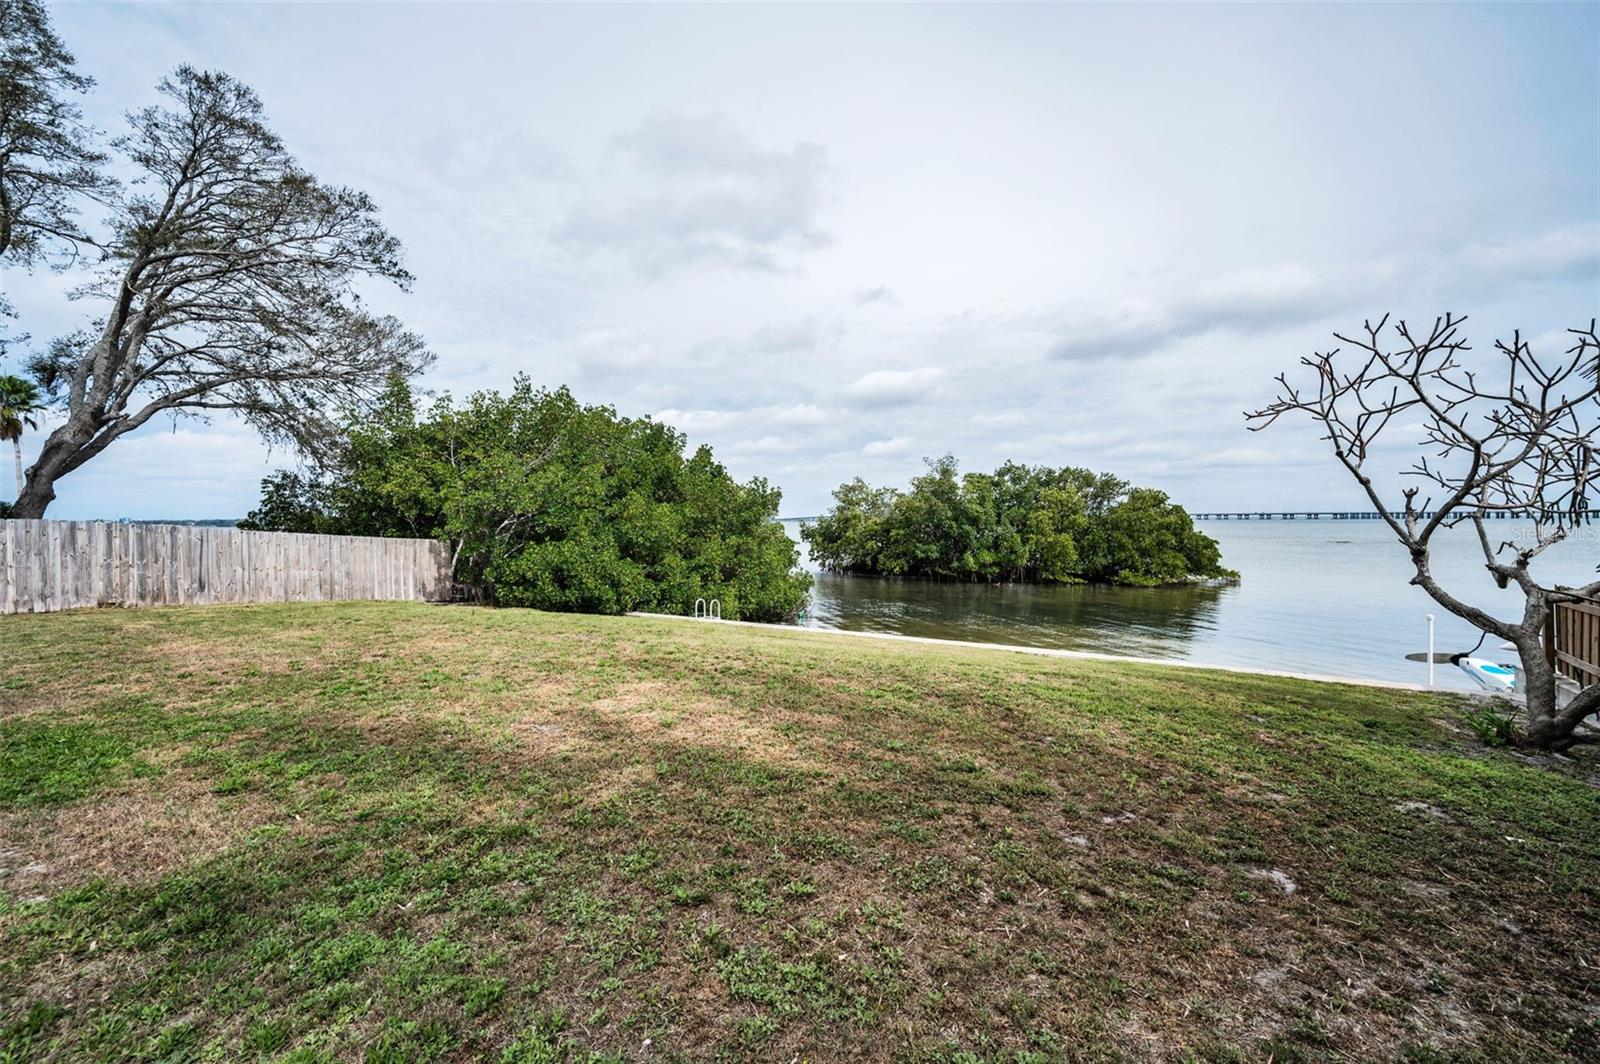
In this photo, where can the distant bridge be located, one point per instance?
(1357, 515)
(1327, 515)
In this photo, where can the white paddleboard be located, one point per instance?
(1489, 675)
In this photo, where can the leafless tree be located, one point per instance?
(1524, 445)
(228, 284)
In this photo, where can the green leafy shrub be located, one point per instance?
(554, 505)
(1020, 523)
(1492, 727)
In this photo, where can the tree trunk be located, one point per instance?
(16, 444)
(1542, 726)
(64, 450)
(35, 496)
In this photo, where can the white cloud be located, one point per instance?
(1008, 419)
(609, 351)
(1570, 252)
(701, 421)
(799, 415)
(680, 190)
(876, 294)
(886, 448)
(766, 445)
(802, 335)
(710, 422)
(894, 387)
(1292, 295)
(1254, 299)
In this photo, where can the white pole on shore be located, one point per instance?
(1430, 650)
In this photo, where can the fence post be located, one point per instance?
(1430, 650)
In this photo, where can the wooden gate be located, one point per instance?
(1573, 641)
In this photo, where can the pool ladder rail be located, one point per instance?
(708, 610)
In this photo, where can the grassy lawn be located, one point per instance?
(399, 832)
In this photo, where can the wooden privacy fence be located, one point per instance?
(1573, 641)
(62, 565)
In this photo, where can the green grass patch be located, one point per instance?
(42, 762)
(400, 832)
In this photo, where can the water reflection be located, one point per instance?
(1156, 622)
(1330, 597)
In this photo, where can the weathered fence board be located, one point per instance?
(59, 565)
(1573, 641)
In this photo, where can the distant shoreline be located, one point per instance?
(1230, 579)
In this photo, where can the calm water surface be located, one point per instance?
(1314, 596)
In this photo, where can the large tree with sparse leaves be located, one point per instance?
(49, 162)
(229, 283)
(48, 157)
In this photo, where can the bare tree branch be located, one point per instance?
(231, 285)
(1525, 447)
(49, 161)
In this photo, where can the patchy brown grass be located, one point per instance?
(403, 832)
(136, 835)
(661, 713)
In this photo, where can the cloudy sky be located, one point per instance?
(830, 241)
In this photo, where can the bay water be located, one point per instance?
(1328, 597)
